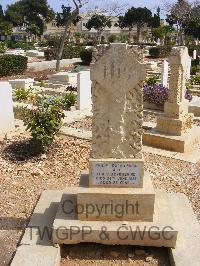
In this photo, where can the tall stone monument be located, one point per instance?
(175, 130)
(116, 202)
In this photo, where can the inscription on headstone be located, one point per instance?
(116, 173)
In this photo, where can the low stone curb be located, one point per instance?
(36, 247)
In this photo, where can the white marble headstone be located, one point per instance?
(84, 94)
(164, 73)
(6, 108)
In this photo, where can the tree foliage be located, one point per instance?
(136, 16)
(180, 15)
(163, 32)
(99, 22)
(65, 15)
(33, 13)
(193, 26)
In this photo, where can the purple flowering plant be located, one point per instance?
(155, 93)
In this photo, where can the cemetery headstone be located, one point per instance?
(116, 169)
(165, 73)
(84, 94)
(6, 108)
(195, 54)
(175, 130)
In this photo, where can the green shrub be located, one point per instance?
(112, 38)
(69, 52)
(160, 51)
(191, 48)
(43, 43)
(3, 47)
(151, 80)
(195, 80)
(44, 121)
(12, 64)
(20, 44)
(41, 83)
(86, 56)
(22, 94)
(194, 68)
(69, 100)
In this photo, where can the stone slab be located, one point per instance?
(37, 256)
(38, 231)
(108, 204)
(184, 143)
(191, 157)
(101, 204)
(21, 83)
(187, 250)
(116, 173)
(67, 229)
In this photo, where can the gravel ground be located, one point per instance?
(24, 175)
(35, 75)
(86, 124)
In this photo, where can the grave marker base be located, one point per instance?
(183, 144)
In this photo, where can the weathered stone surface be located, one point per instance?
(175, 130)
(184, 143)
(37, 256)
(21, 83)
(117, 104)
(38, 231)
(116, 204)
(67, 229)
(142, 199)
(187, 250)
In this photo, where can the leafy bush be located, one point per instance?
(195, 80)
(12, 64)
(154, 52)
(86, 56)
(68, 53)
(191, 48)
(43, 43)
(41, 83)
(155, 93)
(20, 44)
(69, 100)
(44, 121)
(3, 47)
(22, 94)
(112, 38)
(194, 68)
(151, 80)
(71, 88)
(160, 51)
